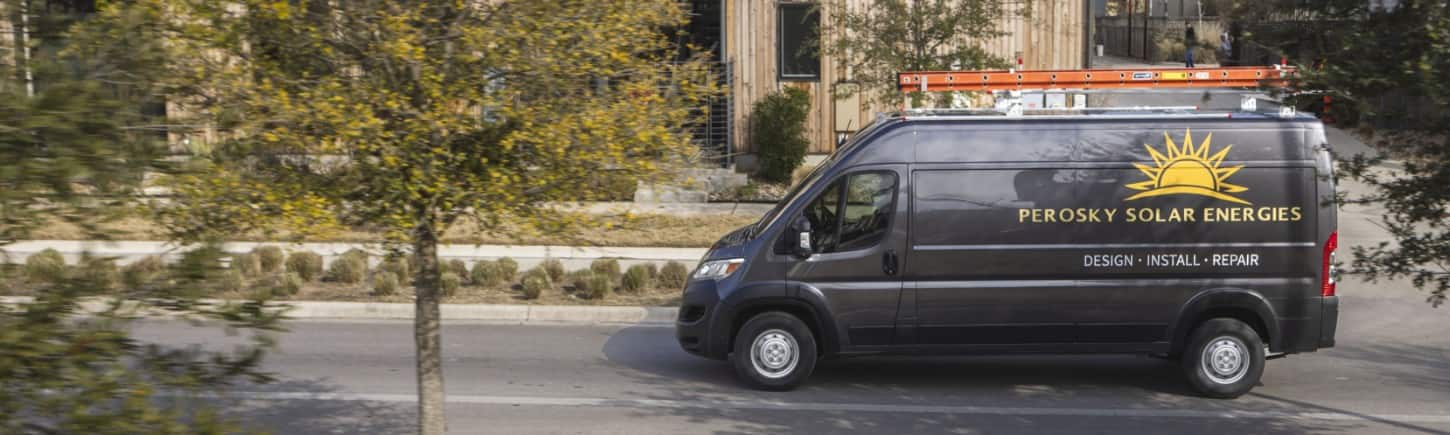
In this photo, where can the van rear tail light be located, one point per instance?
(1327, 280)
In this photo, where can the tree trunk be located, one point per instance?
(428, 334)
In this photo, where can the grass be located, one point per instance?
(688, 231)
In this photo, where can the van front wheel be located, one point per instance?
(1224, 358)
(774, 351)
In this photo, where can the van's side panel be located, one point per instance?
(1101, 232)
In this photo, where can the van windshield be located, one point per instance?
(812, 178)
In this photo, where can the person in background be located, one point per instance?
(1190, 38)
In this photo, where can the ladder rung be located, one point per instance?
(1228, 77)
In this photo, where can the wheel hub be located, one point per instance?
(774, 353)
(1225, 360)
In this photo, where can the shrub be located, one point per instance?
(535, 281)
(554, 268)
(100, 273)
(509, 268)
(592, 285)
(248, 264)
(449, 283)
(349, 268)
(606, 266)
(674, 275)
(399, 267)
(487, 274)
(385, 283)
(291, 283)
(270, 258)
(778, 128)
(654, 271)
(636, 279)
(231, 281)
(305, 264)
(46, 266)
(456, 267)
(143, 271)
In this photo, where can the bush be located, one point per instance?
(636, 279)
(350, 268)
(487, 274)
(291, 283)
(592, 285)
(606, 266)
(399, 267)
(270, 258)
(46, 266)
(508, 268)
(142, 272)
(449, 283)
(674, 275)
(456, 267)
(385, 283)
(305, 264)
(248, 264)
(554, 268)
(99, 273)
(778, 128)
(535, 281)
(231, 281)
(654, 271)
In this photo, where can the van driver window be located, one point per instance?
(862, 222)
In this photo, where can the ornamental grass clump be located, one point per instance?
(554, 268)
(509, 268)
(142, 272)
(487, 274)
(674, 275)
(636, 279)
(249, 264)
(606, 266)
(270, 258)
(449, 283)
(46, 266)
(349, 268)
(534, 282)
(306, 265)
(385, 283)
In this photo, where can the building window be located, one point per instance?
(800, 34)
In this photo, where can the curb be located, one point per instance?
(488, 313)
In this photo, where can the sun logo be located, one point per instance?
(1187, 171)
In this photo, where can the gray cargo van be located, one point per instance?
(1205, 238)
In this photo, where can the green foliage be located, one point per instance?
(456, 267)
(508, 267)
(487, 274)
(449, 283)
(231, 281)
(143, 272)
(885, 37)
(606, 266)
(306, 265)
(554, 268)
(399, 267)
(590, 284)
(46, 266)
(290, 284)
(654, 271)
(778, 128)
(349, 268)
(248, 264)
(1386, 73)
(270, 258)
(385, 283)
(535, 282)
(99, 273)
(674, 275)
(636, 279)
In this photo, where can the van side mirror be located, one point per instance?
(800, 232)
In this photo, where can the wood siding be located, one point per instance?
(1051, 38)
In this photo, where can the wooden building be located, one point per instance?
(756, 36)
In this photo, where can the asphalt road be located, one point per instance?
(1389, 374)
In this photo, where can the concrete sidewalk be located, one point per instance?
(573, 257)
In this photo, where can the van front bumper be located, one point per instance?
(695, 328)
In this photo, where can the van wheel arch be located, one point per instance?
(1244, 305)
(825, 340)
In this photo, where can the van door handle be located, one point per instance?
(888, 262)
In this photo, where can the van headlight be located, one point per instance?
(717, 269)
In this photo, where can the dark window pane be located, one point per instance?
(869, 199)
(799, 38)
(824, 217)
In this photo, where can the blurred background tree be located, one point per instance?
(76, 143)
(1385, 65)
(414, 117)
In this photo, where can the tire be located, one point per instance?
(1224, 358)
(774, 351)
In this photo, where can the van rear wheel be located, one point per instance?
(1224, 358)
(774, 351)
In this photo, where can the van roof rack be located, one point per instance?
(1009, 85)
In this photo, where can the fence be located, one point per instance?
(1142, 38)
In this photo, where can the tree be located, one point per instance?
(1385, 70)
(884, 37)
(73, 148)
(414, 117)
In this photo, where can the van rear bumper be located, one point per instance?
(1328, 321)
